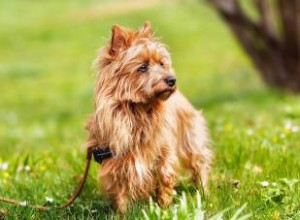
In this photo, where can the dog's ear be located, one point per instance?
(147, 29)
(117, 40)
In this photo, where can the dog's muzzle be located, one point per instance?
(170, 81)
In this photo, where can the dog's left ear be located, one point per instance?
(147, 29)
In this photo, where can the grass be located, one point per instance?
(46, 92)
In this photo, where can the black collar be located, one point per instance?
(101, 154)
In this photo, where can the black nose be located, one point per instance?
(171, 81)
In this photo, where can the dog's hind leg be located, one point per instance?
(194, 151)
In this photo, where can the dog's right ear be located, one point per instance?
(117, 40)
(147, 29)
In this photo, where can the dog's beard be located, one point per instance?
(158, 97)
(165, 94)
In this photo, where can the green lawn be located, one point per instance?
(46, 95)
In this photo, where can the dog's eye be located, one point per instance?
(143, 68)
(161, 64)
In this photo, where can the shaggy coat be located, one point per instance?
(155, 134)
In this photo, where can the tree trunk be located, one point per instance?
(274, 51)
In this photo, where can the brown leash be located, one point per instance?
(99, 155)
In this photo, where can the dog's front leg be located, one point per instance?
(167, 178)
(120, 202)
(113, 185)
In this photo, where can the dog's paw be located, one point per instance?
(120, 206)
(122, 209)
(164, 201)
(165, 197)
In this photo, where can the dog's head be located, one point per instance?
(136, 67)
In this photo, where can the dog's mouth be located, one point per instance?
(165, 94)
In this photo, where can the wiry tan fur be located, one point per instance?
(151, 128)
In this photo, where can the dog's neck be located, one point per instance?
(146, 107)
(114, 119)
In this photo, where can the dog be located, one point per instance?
(155, 135)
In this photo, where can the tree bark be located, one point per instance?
(274, 51)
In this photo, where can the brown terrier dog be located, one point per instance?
(152, 130)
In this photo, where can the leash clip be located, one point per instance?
(101, 154)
